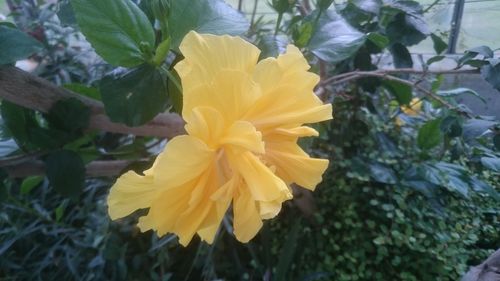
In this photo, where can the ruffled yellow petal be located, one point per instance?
(206, 55)
(247, 221)
(184, 158)
(205, 123)
(243, 135)
(130, 193)
(231, 93)
(294, 165)
(260, 180)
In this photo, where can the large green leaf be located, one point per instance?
(66, 172)
(117, 29)
(429, 134)
(401, 56)
(16, 45)
(403, 21)
(335, 40)
(134, 97)
(19, 121)
(204, 16)
(474, 128)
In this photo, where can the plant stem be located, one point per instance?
(278, 23)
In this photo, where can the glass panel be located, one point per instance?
(480, 25)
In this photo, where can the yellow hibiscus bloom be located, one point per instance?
(243, 120)
(413, 109)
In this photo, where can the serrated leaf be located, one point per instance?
(136, 96)
(460, 91)
(29, 183)
(335, 40)
(117, 29)
(204, 16)
(66, 172)
(429, 135)
(16, 45)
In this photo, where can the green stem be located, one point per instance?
(173, 79)
(278, 23)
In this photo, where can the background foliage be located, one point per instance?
(411, 194)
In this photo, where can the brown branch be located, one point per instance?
(35, 93)
(93, 169)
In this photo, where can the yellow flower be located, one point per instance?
(412, 110)
(243, 121)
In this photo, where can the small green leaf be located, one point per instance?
(402, 92)
(29, 183)
(19, 121)
(378, 39)
(59, 211)
(271, 46)
(16, 45)
(439, 45)
(382, 173)
(204, 16)
(117, 29)
(136, 96)
(335, 40)
(379, 240)
(161, 52)
(66, 172)
(429, 134)
(90, 92)
(460, 91)
(491, 163)
(434, 59)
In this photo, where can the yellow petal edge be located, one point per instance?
(243, 120)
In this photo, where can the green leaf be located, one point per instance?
(474, 128)
(451, 126)
(117, 29)
(439, 45)
(271, 46)
(287, 254)
(135, 96)
(335, 40)
(484, 51)
(16, 45)
(175, 94)
(496, 142)
(402, 92)
(481, 186)
(460, 91)
(204, 16)
(404, 22)
(19, 121)
(66, 172)
(90, 92)
(66, 14)
(378, 39)
(434, 59)
(161, 52)
(401, 56)
(491, 73)
(382, 173)
(29, 183)
(302, 34)
(429, 135)
(69, 115)
(491, 163)
(59, 212)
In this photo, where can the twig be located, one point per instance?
(403, 71)
(385, 75)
